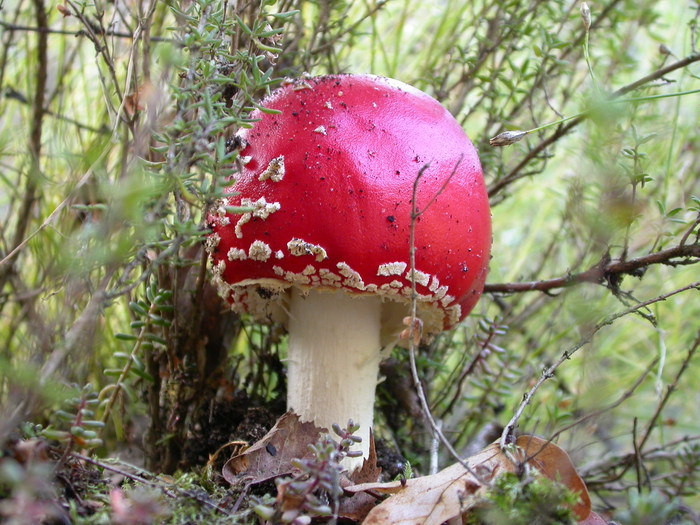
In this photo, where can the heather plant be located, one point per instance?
(315, 489)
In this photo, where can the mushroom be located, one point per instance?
(327, 180)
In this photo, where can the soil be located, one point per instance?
(238, 419)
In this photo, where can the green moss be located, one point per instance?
(529, 501)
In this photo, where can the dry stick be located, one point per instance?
(515, 174)
(624, 397)
(509, 430)
(129, 72)
(637, 455)
(80, 32)
(174, 492)
(13, 94)
(625, 459)
(145, 21)
(599, 272)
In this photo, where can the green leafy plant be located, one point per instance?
(314, 491)
(524, 501)
(152, 322)
(76, 425)
(646, 508)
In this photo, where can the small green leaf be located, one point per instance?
(92, 423)
(125, 337)
(139, 309)
(58, 435)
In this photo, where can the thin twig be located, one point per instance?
(171, 491)
(690, 231)
(80, 32)
(637, 455)
(13, 94)
(101, 48)
(624, 397)
(670, 390)
(597, 413)
(627, 459)
(415, 214)
(551, 71)
(509, 431)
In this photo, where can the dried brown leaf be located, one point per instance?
(137, 100)
(63, 9)
(429, 500)
(413, 332)
(369, 471)
(432, 500)
(437, 498)
(356, 506)
(233, 448)
(31, 450)
(593, 519)
(272, 455)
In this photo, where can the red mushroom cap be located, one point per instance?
(330, 182)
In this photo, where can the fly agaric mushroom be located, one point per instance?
(328, 182)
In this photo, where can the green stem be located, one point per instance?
(119, 385)
(654, 97)
(620, 101)
(588, 60)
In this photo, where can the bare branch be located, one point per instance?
(13, 94)
(604, 270)
(80, 32)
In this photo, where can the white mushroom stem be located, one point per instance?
(333, 353)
